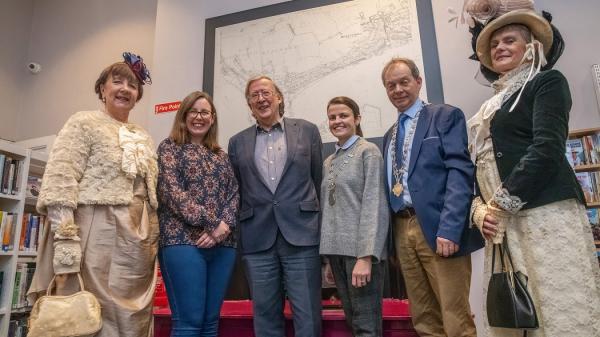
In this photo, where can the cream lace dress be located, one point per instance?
(551, 244)
(119, 242)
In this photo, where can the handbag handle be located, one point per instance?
(504, 256)
(53, 283)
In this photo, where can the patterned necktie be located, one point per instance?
(397, 202)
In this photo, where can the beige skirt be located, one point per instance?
(119, 246)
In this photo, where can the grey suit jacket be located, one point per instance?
(294, 207)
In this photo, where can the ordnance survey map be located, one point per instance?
(314, 55)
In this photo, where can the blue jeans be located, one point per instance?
(196, 280)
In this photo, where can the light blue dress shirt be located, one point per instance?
(408, 124)
(347, 144)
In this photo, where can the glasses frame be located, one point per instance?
(203, 114)
(266, 94)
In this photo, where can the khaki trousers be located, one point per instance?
(437, 287)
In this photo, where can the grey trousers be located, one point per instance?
(285, 269)
(362, 306)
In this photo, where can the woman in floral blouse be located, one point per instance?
(198, 207)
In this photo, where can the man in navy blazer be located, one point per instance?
(278, 165)
(430, 187)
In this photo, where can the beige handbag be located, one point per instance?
(61, 316)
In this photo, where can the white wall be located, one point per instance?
(15, 28)
(579, 25)
(179, 51)
(74, 40)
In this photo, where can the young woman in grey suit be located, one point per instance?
(355, 219)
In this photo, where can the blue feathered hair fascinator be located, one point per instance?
(137, 65)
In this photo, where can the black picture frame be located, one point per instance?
(432, 73)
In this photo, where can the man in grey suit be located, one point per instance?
(278, 165)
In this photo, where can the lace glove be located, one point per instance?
(58, 215)
(67, 246)
(503, 218)
(67, 257)
(479, 210)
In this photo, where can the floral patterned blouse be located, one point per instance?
(196, 191)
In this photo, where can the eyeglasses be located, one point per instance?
(266, 94)
(202, 113)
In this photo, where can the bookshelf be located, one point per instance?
(583, 153)
(15, 202)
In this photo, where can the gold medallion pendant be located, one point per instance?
(397, 189)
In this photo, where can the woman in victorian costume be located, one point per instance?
(99, 191)
(526, 188)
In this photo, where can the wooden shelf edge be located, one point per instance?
(594, 204)
(583, 132)
(25, 253)
(24, 310)
(10, 196)
(12, 149)
(587, 168)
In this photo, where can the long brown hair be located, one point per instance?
(179, 132)
(349, 102)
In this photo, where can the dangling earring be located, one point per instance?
(104, 100)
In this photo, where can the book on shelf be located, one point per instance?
(32, 227)
(17, 327)
(2, 160)
(23, 278)
(584, 150)
(7, 224)
(16, 181)
(1, 282)
(592, 214)
(34, 185)
(585, 181)
(575, 154)
(10, 176)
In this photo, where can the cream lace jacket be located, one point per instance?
(94, 161)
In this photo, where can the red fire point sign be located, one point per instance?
(166, 107)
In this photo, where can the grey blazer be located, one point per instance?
(294, 207)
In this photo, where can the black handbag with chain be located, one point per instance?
(509, 304)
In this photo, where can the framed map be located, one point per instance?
(316, 50)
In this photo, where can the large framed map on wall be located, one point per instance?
(315, 50)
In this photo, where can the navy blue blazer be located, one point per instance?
(441, 177)
(294, 207)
